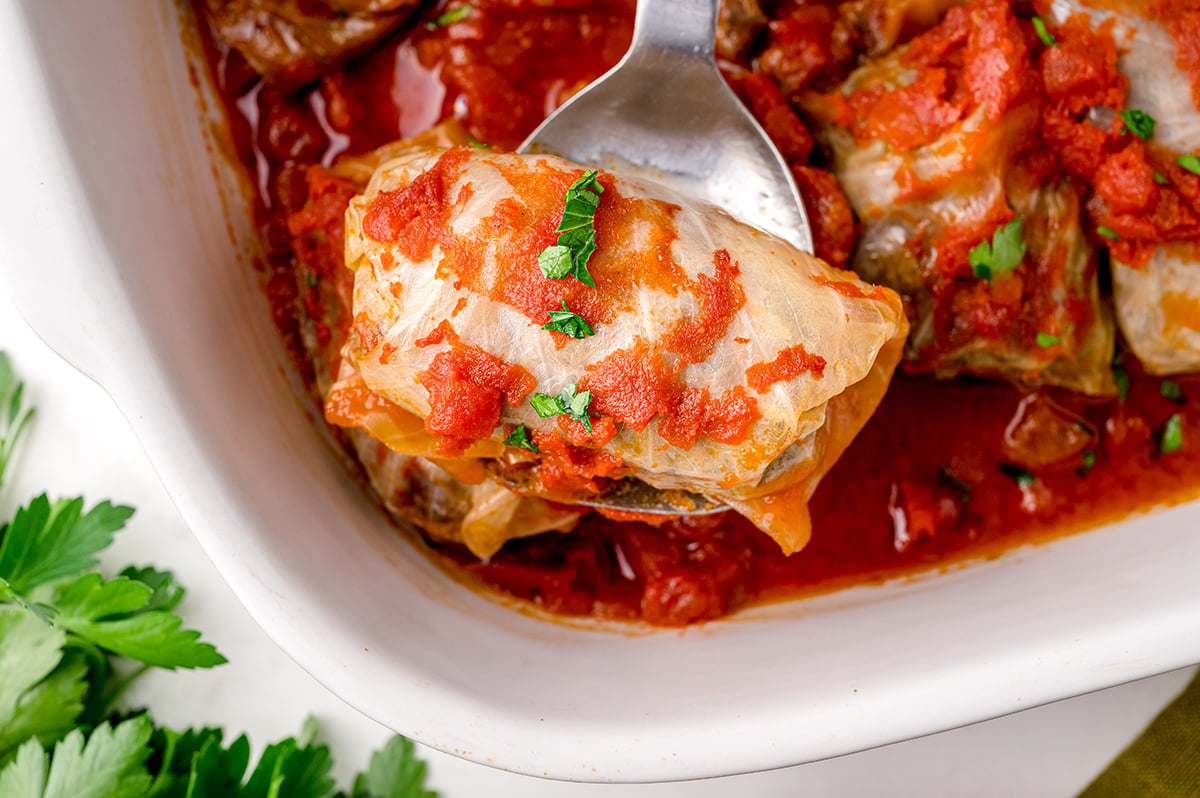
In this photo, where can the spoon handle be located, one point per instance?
(683, 26)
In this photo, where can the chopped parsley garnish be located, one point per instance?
(577, 233)
(1004, 253)
(568, 403)
(1047, 340)
(1162, 181)
(1172, 436)
(1171, 390)
(1139, 123)
(519, 438)
(1108, 233)
(1042, 33)
(477, 144)
(1122, 380)
(1088, 462)
(1023, 477)
(450, 16)
(1190, 163)
(568, 323)
(1120, 377)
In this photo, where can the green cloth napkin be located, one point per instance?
(1164, 762)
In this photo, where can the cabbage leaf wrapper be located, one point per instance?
(723, 361)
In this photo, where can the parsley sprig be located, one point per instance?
(1044, 33)
(1139, 123)
(1046, 340)
(1172, 435)
(1004, 253)
(567, 403)
(577, 233)
(450, 16)
(568, 323)
(71, 641)
(519, 438)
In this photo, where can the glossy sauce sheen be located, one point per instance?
(944, 470)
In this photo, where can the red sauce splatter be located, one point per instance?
(1082, 70)
(855, 289)
(1126, 182)
(787, 365)
(729, 417)
(632, 385)
(415, 217)
(721, 297)
(684, 419)
(575, 433)
(566, 469)
(467, 389)
(368, 332)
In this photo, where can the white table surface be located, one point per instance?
(81, 444)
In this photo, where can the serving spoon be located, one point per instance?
(665, 113)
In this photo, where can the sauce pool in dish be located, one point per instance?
(946, 469)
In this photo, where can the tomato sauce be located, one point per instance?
(944, 471)
(787, 365)
(467, 390)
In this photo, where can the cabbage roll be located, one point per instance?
(471, 509)
(935, 147)
(1156, 283)
(712, 357)
(292, 42)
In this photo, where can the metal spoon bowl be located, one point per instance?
(665, 113)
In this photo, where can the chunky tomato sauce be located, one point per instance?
(945, 470)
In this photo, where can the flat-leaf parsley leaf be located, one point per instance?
(110, 764)
(1043, 33)
(568, 323)
(568, 403)
(1172, 435)
(449, 17)
(1190, 163)
(1139, 123)
(519, 438)
(14, 416)
(1004, 253)
(394, 771)
(114, 616)
(577, 233)
(48, 541)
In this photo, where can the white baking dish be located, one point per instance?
(120, 250)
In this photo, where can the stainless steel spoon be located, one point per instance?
(665, 113)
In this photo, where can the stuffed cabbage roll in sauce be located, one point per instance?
(936, 144)
(460, 507)
(1143, 163)
(681, 348)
